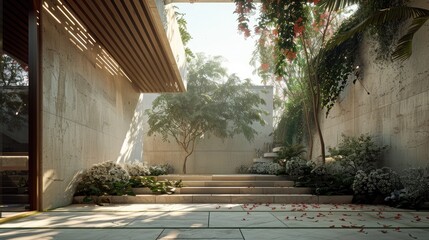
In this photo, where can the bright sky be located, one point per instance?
(213, 27)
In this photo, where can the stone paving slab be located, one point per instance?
(170, 220)
(201, 234)
(338, 234)
(244, 219)
(74, 219)
(74, 234)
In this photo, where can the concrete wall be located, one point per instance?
(212, 155)
(86, 113)
(395, 113)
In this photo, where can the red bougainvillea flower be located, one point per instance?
(316, 2)
(298, 28)
(265, 66)
(290, 55)
(275, 32)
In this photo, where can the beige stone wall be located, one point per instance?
(395, 113)
(212, 155)
(86, 113)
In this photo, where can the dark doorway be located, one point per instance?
(16, 101)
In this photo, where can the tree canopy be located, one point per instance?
(215, 103)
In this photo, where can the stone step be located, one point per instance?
(222, 177)
(270, 155)
(225, 198)
(232, 190)
(238, 183)
(277, 149)
(14, 198)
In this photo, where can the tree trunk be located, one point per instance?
(184, 163)
(315, 97)
(310, 134)
(188, 154)
(319, 131)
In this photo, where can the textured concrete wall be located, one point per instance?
(212, 155)
(395, 113)
(86, 113)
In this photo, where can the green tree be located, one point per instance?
(13, 93)
(215, 103)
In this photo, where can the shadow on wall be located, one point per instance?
(132, 147)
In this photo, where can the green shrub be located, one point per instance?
(159, 187)
(332, 178)
(359, 153)
(291, 151)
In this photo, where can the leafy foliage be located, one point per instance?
(185, 35)
(336, 65)
(358, 153)
(388, 15)
(208, 107)
(331, 178)
(158, 187)
(291, 151)
(13, 93)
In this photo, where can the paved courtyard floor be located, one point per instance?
(221, 221)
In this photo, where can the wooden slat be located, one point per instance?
(113, 34)
(15, 29)
(132, 33)
(143, 34)
(125, 25)
(110, 44)
(161, 36)
(145, 20)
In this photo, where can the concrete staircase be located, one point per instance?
(237, 188)
(230, 189)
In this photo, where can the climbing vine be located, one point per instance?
(336, 65)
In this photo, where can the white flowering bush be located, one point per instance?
(271, 168)
(107, 178)
(415, 189)
(162, 169)
(379, 181)
(360, 183)
(298, 167)
(137, 169)
(384, 180)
